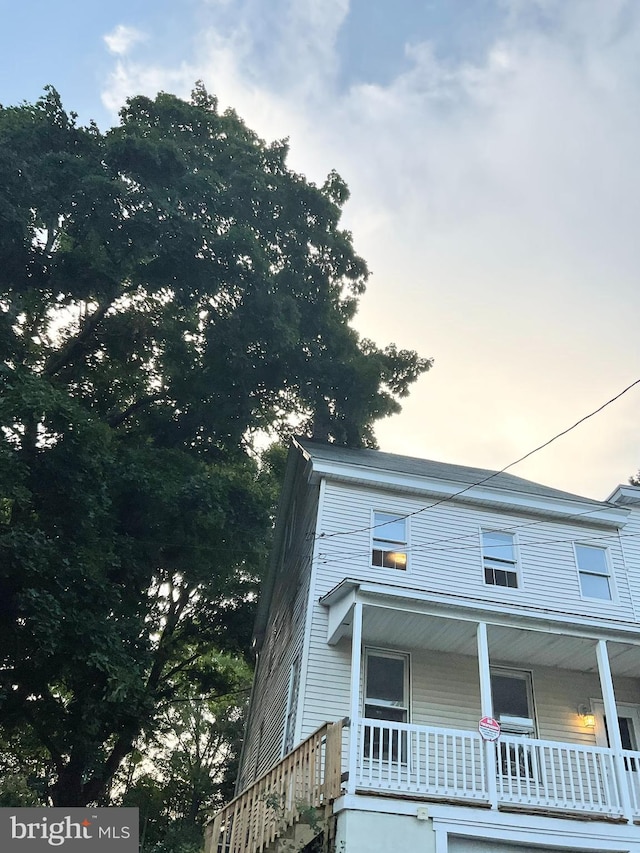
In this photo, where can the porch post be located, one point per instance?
(613, 729)
(354, 713)
(486, 710)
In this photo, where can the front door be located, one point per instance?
(628, 723)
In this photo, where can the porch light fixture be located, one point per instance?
(588, 719)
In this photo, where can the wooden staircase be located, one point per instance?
(286, 807)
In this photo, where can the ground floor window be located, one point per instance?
(386, 689)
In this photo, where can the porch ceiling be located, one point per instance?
(397, 629)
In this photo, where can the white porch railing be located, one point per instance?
(557, 775)
(451, 764)
(398, 757)
(632, 773)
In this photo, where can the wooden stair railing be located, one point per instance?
(306, 779)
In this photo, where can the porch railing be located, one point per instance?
(631, 762)
(438, 763)
(557, 776)
(451, 764)
(398, 757)
(308, 778)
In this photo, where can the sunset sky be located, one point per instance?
(491, 150)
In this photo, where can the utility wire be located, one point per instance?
(488, 477)
(420, 546)
(476, 546)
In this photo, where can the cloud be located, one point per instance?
(122, 39)
(495, 200)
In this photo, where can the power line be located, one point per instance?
(488, 477)
(421, 546)
(476, 546)
(446, 539)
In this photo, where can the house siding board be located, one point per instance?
(630, 548)
(445, 554)
(557, 694)
(328, 682)
(445, 692)
(283, 644)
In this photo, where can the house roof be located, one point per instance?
(431, 470)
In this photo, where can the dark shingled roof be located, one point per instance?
(460, 474)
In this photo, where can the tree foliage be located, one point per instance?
(169, 291)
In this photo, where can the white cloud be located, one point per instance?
(496, 203)
(122, 39)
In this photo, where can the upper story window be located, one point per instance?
(389, 541)
(499, 558)
(593, 568)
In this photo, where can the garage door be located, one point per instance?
(472, 845)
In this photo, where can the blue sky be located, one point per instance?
(490, 147)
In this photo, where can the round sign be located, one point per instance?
(489, 728)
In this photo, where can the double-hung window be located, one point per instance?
(389, 541)
(512, 694)
(593, 568)
(386, 700)
(499, 559)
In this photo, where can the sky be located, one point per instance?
(490, 147)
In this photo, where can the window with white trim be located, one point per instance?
(499, 558)
(593, 568)
(386, 698)
(389, 541)
(512, 697)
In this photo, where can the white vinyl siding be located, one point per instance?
(265, 733)
(446, 554)
(445, 692)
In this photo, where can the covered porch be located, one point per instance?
(424, 673)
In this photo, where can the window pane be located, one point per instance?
(498, 545)
(388, 528)
(385, 679)
(380, 712)
(389, 559)
(595, 586)
(509, 696)
(592, 559)
(626, 733)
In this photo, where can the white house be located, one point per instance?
(406, 601)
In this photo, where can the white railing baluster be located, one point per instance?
(439, 762)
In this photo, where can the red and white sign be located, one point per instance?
(489, 728)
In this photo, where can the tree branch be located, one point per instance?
(61, 358)
(114, 420)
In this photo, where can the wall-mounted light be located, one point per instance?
(586, 716)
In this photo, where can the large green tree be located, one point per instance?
(169, 291)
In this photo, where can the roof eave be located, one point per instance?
(485, 495)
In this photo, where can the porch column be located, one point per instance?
(354, 713)
(486, 710)
(613, 729)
